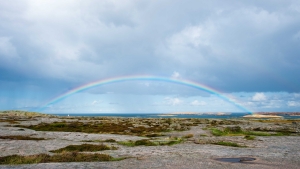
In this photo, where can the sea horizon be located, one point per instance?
(225, 115)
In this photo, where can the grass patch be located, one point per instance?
(237, 131)
(247, 137)
(189, 136)
(146, 142)
(129, 143)
(143, 142)
(217, 132)
(153, 135)
(62, 157)
(257, 133)
(10, 121)
(281, 121)
(225, 143)
(127, 128)
(18, 113)
(171, 142)
(110, 140)
(84, 147)
(107, 140)
(20, 138)
(283, 133)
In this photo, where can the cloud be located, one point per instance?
(293, 104)
(198, 103)
(96, 102)
(259, 97)
(49, 47)
(173, 101)
(94, 40)
(175, 75)
(7, 49)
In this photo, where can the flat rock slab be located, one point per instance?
(269, 152)
(278, 152)
(173, 162)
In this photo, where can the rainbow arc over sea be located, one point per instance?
(119, 79)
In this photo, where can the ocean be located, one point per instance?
(157, 115)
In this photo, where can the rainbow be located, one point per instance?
(139, 78)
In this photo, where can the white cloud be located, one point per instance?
(297, 95)
(198, 103)
(175, 75)
(173, 101)
(96, 102)
(259, 97)
(7, 49)
(68, 43)
(147, 84)
(293, 104)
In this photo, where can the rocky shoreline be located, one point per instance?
(274, 143)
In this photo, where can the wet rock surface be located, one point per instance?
(236, 160)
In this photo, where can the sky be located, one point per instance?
(247, 52)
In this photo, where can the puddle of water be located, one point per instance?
(236, 160)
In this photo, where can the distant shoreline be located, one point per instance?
(200, 115)
(262, 116)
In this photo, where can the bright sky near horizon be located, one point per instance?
(248, 51)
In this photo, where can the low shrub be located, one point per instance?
(171, 142)
(19, 137)
(237, 131)
(154, 135)
(129, 143)
(231, 144)
(84, 147)
(62, 157)
(110, 140)
(144, 142)
(247, 137)
(189, 136)
(217, 132)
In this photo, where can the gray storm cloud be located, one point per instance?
(233, 46)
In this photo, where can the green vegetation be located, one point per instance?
(62, 157)
(231, 144)
(107, 140)
(85, 147)
(257, 133)
(110, 140)
(278, 121)
(15, 116)
(154, 135)
(189, 136)
(94, 127)
(217, 132)
(214, 122)
(247, 137)
(20, 138)
(237, 131)
(131, 143)
(10, 121)
(127, 126)
(18, 113)
(171, 142)
(146, 142)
